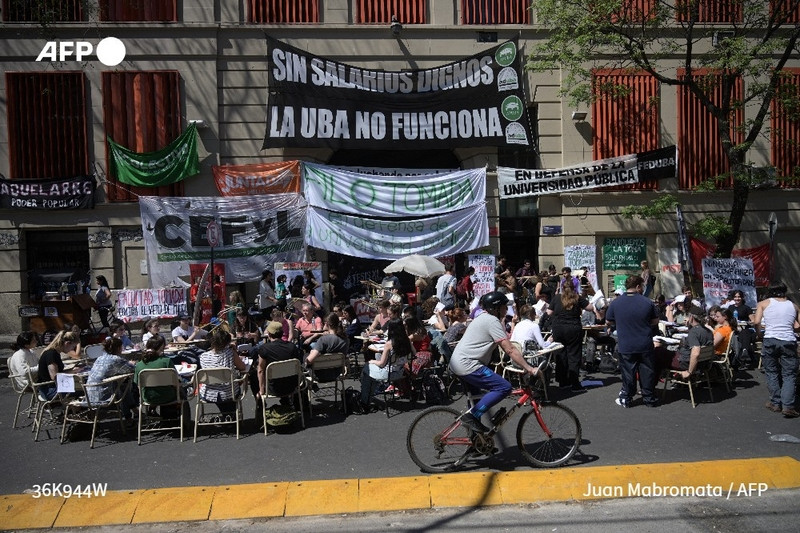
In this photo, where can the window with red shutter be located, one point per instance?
(42, 11)
(625, 122)
(724, 11)
(382, 11)
(138, 10)
(495, 12)
(700, 152)
(282, 11)
(142, 112)
(47, 133)
(785, 130)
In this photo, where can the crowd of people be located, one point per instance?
(447, 326)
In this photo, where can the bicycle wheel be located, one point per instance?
(565, 435)
(435, 439)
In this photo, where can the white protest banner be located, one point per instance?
(518, 183)
(437, 236)
(142, 304)
(413, 196)
(483, 281)
(721, 276)
(394, 172)
(583, 255)
(255, 231)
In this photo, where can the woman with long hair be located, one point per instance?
(103, 299)
(50, 362)
(109, 364)
(396, 352)
(723, 327)
(153, 358)
(151, 328)
(566, 309)
(221, 354)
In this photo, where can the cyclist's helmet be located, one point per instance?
(493, 300)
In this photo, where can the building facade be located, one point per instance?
(207, 61)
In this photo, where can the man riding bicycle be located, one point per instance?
(474, 351)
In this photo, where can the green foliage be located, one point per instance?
(662, 205)
(711, 227)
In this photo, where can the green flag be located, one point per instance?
(171, 164)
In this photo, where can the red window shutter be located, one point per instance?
(725, 11)
(282, 11)
(700, 152)
(495, 12)
(382, 11)
(785, 132)
(626, 124)
(42, 10)
(47, 131)
(142, 112)
(788, 8)
(138, 11)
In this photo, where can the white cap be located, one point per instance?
(679, 299)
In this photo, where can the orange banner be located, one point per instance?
(259, 178)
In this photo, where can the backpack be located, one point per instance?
(462, 289)
(433, 387)
(352, 402)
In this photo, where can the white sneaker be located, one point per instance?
(621, 402)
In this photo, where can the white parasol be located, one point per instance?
(418, 265)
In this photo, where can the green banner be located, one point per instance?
(624, 253)
(171, 164)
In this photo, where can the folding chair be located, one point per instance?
(722, 367)
(224, 377)
(86, 411)
(704, 363)
(42, 403)
(166, 378)
(284, 369)
(327, 368)
(22, 391)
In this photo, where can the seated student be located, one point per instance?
(381, 318)
(120, 331)
(309, 327)
(334, 340)
(50, 363)
(153, 358)
(23, 358)
(397, 350)
(288, 328)
(723, 328)
(273, 350)
(525, 328)
(685, 357)
(109, 364)
(151, 328)
(186, 332)
(221, 354)
(245, 330)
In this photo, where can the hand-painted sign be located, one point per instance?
(624, 253)
(70, 193)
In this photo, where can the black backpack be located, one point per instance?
(433, 387)
(352, 402)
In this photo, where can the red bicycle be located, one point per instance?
(548, 434)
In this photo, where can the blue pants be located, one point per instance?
(779, 359)
(485, 379)
(644, 364)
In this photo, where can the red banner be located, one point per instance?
(759, 255)
(256, 179)
(204, 293)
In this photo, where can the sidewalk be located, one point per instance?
(732, 479)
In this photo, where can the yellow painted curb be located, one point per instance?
(726, 478)
(249, 501)
(174, 505)
(23, 511)
(116, 507)
(393, 494)
(322, 497)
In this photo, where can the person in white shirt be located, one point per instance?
(185, 332)
(23, 358)
(525, 328)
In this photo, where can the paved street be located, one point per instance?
(735, 426)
